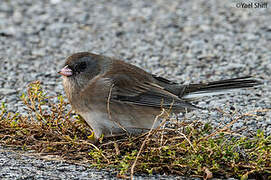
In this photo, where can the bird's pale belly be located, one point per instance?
(121, 118)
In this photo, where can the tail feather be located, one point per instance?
(218, 87)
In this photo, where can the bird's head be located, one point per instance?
(80, 68)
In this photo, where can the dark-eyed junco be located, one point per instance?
(114, 96)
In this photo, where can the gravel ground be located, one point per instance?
(185, 41)
(17, 166)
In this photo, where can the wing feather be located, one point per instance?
(142, 89)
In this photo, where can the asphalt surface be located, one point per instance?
(185, 41)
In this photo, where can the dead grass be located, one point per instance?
(193, 149)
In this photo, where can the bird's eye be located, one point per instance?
(81, 67)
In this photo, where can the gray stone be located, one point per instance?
(6, 91)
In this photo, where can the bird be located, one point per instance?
(115, 97)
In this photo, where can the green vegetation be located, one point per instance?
(194, 149)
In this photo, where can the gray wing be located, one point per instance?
(128, 89)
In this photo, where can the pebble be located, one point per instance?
(6, 91)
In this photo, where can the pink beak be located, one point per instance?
(65, 71)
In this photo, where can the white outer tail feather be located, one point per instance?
(199, 94)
